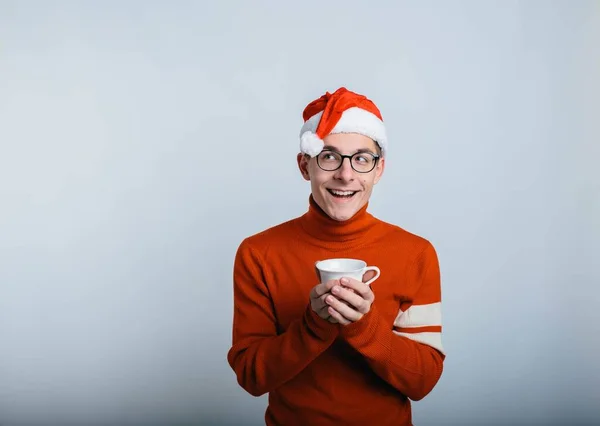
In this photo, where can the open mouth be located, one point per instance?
(342, 194)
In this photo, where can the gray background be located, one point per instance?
(141, 142)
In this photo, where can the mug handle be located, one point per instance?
(372, 268)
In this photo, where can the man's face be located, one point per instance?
(326, 184)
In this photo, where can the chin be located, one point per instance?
(340, 218)
(341, 214)
(337, 209)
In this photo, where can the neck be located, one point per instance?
(327, 230)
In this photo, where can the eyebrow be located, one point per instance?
(332, 148)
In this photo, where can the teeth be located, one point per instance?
(343, 193)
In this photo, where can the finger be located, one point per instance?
(355, 300)
(322, 312)
(321, 289)
(330, 318)
(335, 315)
(330, 284)
(317, 291)
(320, 303)
(346, 311)
(358, 286)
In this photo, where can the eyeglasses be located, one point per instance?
(361, 162)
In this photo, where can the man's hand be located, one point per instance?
(349, 300)
(318, 294)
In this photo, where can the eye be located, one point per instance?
(329, 156)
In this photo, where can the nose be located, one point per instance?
(345, 172)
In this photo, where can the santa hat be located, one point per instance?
(340, 112)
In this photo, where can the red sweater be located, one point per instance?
(318, 373)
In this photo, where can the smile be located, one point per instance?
(341, 194)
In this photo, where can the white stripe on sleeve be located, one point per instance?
(420, 316)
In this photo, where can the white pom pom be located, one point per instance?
(311, 144)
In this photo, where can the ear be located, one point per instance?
(303, 160)
(379, 170)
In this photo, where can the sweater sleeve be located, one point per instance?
(408, 354)
(262, 358)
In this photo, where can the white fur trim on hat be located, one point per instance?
(311, 124)
(311, 144)
(353, 120)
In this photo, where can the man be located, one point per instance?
(339, 352)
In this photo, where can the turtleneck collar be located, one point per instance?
(329, 231)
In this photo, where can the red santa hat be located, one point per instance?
(342, 111)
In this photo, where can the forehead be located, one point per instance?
(349, 142)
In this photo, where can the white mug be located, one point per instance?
(334, 269)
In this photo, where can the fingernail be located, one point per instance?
(335, 290)
(344, 280)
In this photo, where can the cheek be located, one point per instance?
(317, 176)
(367, 185)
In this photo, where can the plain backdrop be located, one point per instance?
(140, 142)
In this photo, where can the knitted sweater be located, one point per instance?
(318, 373)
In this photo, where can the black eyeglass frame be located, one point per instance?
(349, 157)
